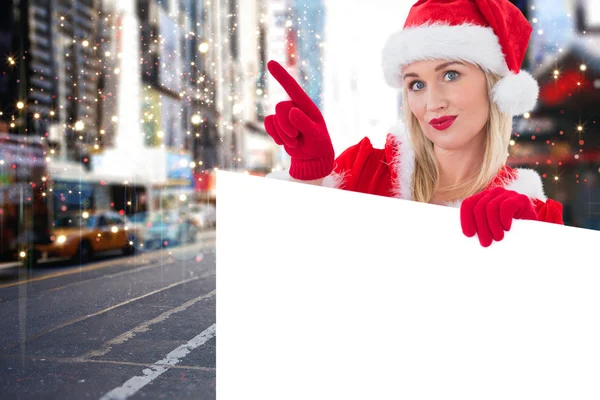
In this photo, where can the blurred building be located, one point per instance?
(308, 34)
(53, 49)
(164, 103)
(257, 148)
(293, 32)
(28, 107)
(113, 177)
(52, 85)
(27, 86)
(201, 90)
(277, 21)
(138, 102)
(560, 138)
(77, 37)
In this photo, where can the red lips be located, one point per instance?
(442, 123)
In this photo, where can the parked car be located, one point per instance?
(188, 230)
(164, 228)
(204, 216)
(80, 236)
(138, 220)
(160, 231)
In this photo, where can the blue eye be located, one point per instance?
(414, 85)
(453, 74)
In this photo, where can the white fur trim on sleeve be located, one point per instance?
(529, 183)
(333, 180)
(454, 204)
(404, 163)
(281, 175)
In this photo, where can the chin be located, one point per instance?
(448, 140)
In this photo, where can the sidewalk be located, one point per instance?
(204, 235)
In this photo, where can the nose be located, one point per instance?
(436, 99)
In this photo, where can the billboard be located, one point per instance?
(151, 116)
(178, 168)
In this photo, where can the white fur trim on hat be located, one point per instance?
(516, 94)
(471, 43)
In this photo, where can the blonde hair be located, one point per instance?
(426, 175)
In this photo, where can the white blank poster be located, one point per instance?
(328, 294)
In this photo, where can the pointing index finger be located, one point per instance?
(293, 89)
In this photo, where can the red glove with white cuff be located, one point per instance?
(299, 126)
(491, 212)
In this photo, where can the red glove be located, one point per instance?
(299, 126)
(490, 213)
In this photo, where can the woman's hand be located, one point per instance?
(491, 212)
(299, 126)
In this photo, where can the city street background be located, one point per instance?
(115, 116)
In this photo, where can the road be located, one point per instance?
(118, 328)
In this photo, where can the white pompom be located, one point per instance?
(516, 94)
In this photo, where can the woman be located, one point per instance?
(458, 66)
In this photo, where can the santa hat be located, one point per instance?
(490, 33)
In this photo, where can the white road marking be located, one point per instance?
(133, 385)
(142, 267)
(145, 326)
(74, 321)
(112, 362)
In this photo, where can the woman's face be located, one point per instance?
(450, 100)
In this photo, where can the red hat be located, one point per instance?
(490, 33)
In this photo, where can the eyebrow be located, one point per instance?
(439, 67)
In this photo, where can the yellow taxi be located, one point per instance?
(80, 236)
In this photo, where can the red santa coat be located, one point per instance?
(389, 172)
